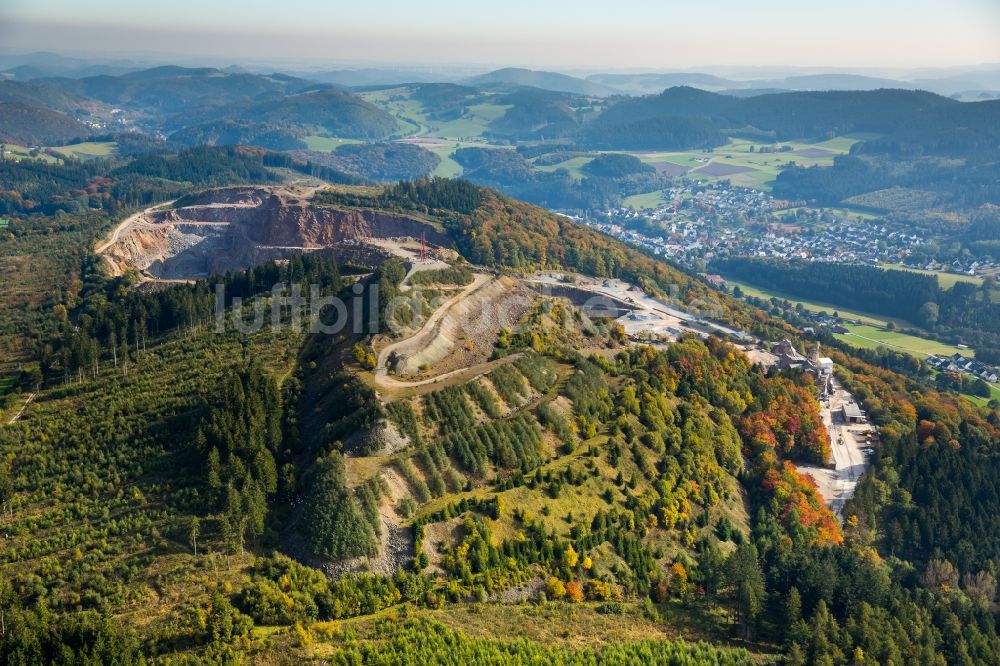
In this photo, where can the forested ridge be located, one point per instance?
(964, 313)
(497, 231)
(217, 493)
(37, 187)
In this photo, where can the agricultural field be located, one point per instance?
(842, 144)
(13, 151)
(870, 337)
(473, 124)
(87, 150)
(448, 167)
(841, 212)
(325, 144)
(573, 165)
(645, 200)
(871, 333)
(414, 121)
(735, 162)
(945, 280)
(817, 306)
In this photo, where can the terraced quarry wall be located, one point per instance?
(476, 318)
(233, 228)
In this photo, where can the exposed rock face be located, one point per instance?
(232, 228)
(478, 317)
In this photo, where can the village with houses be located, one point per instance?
(964, 365)
(699, 222)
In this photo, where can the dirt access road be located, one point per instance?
(422, 337)
(125, 224)
(31, 396)
(668, 314)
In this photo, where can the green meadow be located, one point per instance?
(756, 169)
(415, 121)
(573, 165)
(872, 333)
(870, 337)
(645, 200)
(87, 150)
(818, 306)
(472, 124)
(448, 167)
(945, 280)
(20, 152)
(325, 144)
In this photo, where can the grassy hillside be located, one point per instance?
(32, 94)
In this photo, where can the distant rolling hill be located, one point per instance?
(29, 125)
(233, 132)
(360, 78)
(651, 83)
(223, 106)
(834, 82)
(685, 117)
(27, 66)
(327, 109)
(545, 80)
(170, 89)
(35, 94)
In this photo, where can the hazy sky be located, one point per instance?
(538, 33)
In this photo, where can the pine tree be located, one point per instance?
(747, 579)
(335, 525)
(194, 530)
(6, 489)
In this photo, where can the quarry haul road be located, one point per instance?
(382, 378)
(116, 234)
